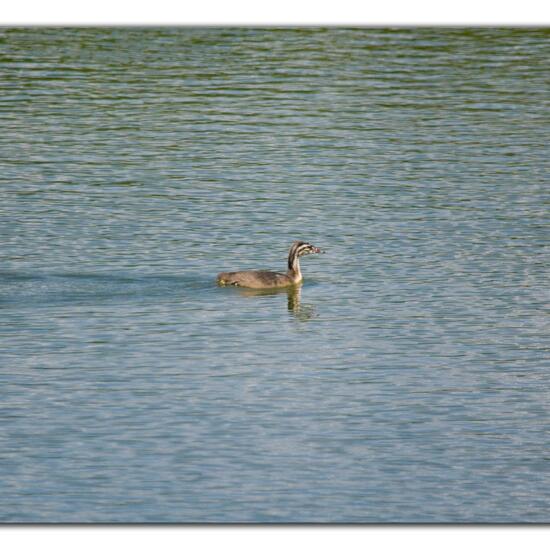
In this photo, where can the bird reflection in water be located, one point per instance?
(299, 310)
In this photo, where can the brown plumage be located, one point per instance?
(271, 279)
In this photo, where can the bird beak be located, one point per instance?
(317, 250)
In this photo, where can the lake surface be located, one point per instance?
(408, 380)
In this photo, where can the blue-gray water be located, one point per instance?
(410, 379)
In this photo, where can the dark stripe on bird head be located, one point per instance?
(297, 249)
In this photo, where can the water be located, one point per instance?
(407, 381)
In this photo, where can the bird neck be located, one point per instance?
(294, 267)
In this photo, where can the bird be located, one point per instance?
(271, 279)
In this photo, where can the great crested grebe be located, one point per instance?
(270, 279)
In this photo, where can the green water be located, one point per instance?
(409, 378)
